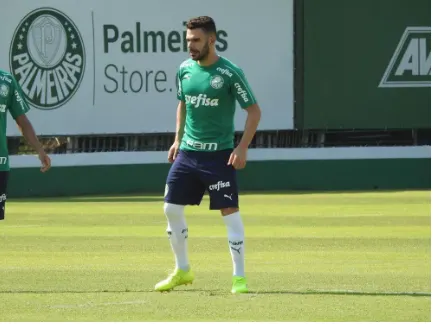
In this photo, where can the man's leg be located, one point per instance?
(3, 188)
(236, 238)
(182, 188)
(221, 182)
(177, 231)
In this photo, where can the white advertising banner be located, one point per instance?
(107, 67)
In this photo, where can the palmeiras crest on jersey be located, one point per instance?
(47, 57)
(217, 82)
(4, 90)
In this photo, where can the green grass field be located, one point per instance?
(310, 257)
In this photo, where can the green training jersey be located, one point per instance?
(210, 94)
(12, 101)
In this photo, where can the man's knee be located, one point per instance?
(173, 210)
(229, 211)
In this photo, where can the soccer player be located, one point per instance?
(203, 154)
(12, 101)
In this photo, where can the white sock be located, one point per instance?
(177, 231)
(235, 233)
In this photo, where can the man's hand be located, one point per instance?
(172, 153)
(238, 158)
(45, 161)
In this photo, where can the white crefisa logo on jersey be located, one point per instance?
(19, 100)
(201, 100)
(224, 72)
(242, 92)
(410, 65)
(4, 90)
(47, 57)
(217, 82)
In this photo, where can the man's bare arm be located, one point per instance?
(180, 121)
(180, 125)
(239, 156)
(253, 119)
(29, 134)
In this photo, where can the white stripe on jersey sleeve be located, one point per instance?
(247, 88)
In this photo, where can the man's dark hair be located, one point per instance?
(204, 22)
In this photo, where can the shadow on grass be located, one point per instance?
(219, 292)
(343, 292)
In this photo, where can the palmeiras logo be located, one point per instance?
(4, 90)
(47, 57)
(217, 82)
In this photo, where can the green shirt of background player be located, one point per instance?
(12, 101)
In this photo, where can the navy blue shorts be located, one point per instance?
(193, 173)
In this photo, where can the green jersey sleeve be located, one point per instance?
(18, 105)
(180, 94)
(242, 90)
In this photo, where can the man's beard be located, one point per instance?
(203, 54)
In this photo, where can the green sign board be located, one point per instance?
(367, 64)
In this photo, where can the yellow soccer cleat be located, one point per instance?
(239, 285)
(177, 278)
